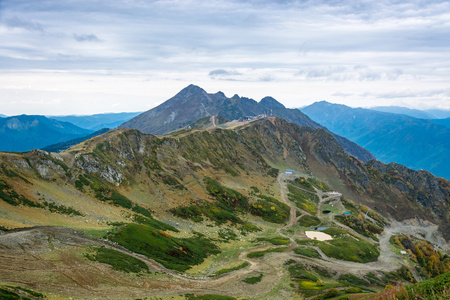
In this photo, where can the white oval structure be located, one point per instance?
(317, 235)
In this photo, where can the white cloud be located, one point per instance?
(296, 51)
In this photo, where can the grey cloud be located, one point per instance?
(86, 38)
(223, 74)
(16, 22)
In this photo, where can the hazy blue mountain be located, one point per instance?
(420, 114)
(439, 113)
(445, 122)
(97, 121)
(24, 133)
(416, 143)
(193, 103)
(2, 116)
(66, 145)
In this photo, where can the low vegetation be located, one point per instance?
(270, 209)
(152, 223)
(302, 199)
(308, 221)
(432, 262)
(258, 254)
(229, 203)
(174, 253)
(11, 173)
(321, 185)
(307, 281)
(227, 270)
(253, 280)
(347, 247)
(437, 288)
(278, 240)
(361, 225)
(8, 292)
(118, 260)
(350, 278)
(307, 252)
(11, 197)
(303, 183)
(105, 193)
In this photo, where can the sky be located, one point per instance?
(64, 57)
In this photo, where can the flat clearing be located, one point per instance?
(317, 235)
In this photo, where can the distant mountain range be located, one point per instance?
(416, 113)
(416, 143)
(193, 103)
(405, 111)
(24, 133)
(2, 116)
(97, 121)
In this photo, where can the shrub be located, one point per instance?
(279, 240)
(308, 221)
(330, 293)
(307, 252)
(257, 254)
(347, 247)
(253, 280)
(223, 271)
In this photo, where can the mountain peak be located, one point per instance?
(270, 102)
(191, 90)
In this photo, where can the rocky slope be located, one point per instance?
(169, 170)
(193, 103)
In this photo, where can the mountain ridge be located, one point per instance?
(97, 121)
(193, 103)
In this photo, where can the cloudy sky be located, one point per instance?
(92, 56)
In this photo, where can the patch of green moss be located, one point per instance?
(308, 221)
(361, 225)
(258, 254)
(307, 252)
(270, 209)
(279, 240)
(118, 260)
(227, 270)
(253, 280)
(302, 200)
(174, 253)
(347, 247)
